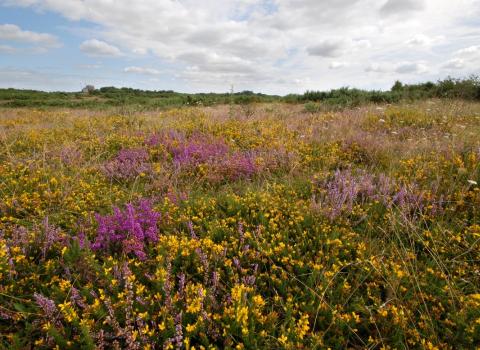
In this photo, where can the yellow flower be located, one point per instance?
(258, 301)
(68, 311)
(65, 285)
(283, 339)
(303, 326)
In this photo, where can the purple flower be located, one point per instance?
(215, 280)
(339, 194)
(82, 240)
(51, 235)
(181, 285)
(193, 235)
(167, 287)
(167, 138)
(153, 140)
(176, 197)
(249, 280)
(178, 339)
(410, 200)
(201, 150)
(128, 230)
(239, 165)
(76, 298)
(128, 164)
(237, 264)
(70, 155)
(47, 305)
(20, 238)
(241, 232)
(345, 189)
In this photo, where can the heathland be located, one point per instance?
(257, 225)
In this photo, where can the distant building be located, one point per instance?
(88, 89)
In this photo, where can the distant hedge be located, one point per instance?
(108, 97)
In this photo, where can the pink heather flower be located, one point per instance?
(70, 155)
(166, 138)
(51, 235)
(47, 305)
(201, 150)
(129, 230)
(128, 164)
(240, 165)
(344, 189)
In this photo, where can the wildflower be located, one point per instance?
(303, 326)
(129, 230)
(199, 151)
(51, 235)
(178, 339)
(47, 305)
(68, 311)
(190, 328)
(128, 164)
(283, 339)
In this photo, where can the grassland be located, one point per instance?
(272, 225)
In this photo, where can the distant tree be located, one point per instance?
(398, 86)
(88, 89)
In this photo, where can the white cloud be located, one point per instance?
(23, 3)
(378, 68)
(411, 67)
(210, 44)
(455, 63)
(34, 79)
(405, 67)
(361, 44)
(141, 70)
(11, 32)
(94, 47)
(466, 58)
(399, 7)
(7, 49)
(469, 51)
(327, 48)
(423, 40)
(337, 65)
(90, 66)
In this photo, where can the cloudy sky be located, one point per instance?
(271, 46)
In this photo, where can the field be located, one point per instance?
(256, 226)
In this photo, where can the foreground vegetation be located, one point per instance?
(126, 100)
(268, 227)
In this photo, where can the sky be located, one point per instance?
(269, 46)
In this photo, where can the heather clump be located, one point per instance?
(127, 231)
(238, 165)
(209, 157)
(340, 193)
(128, 164)
(346, 192)
(197, 151)
(37, 242)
